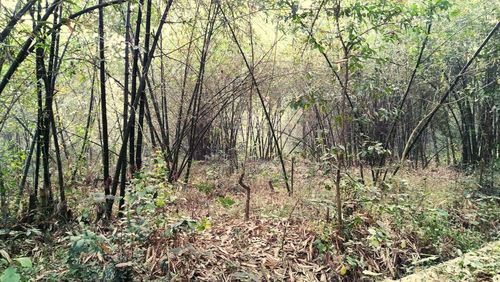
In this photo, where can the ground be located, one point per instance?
(198, 231)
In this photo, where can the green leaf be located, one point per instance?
(10, 275)
(225, 201)
(24, 262)
(204, 224)
(320, 246)
(160, 202)
(343, 270)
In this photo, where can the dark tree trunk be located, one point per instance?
(104, 118)
(133, 90)
(123, 176)
(142, 94)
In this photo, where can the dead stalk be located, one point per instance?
(247, 203)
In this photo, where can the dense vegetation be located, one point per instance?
(261, 140)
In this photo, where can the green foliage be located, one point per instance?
(205, 187)
(321, 246)
(226, 202)
(396, 215)
(373, 151)
(17, 269)
(377, 237)
(10, 275)
(372, 45)
(189, 225)
(12, 158)
(86, 242)
(90, 257)
(433, 224)
(323, 243)
(148, 191)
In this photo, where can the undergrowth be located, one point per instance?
(390, 230)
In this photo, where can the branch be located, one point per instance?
(13, 21)
(27, 48)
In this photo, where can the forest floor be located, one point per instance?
(198, 232)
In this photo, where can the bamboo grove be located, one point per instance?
(92, 90)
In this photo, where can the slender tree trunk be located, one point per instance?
(4, 208)
(123, 176)
(133, 91)
(339, 201)
(52, 75)
(104, 118)
(27, 47)
(46, 192)
(142, 95)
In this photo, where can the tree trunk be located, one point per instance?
(104, 118)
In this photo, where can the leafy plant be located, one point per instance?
(16, 269)
(377, 237)
(86, 242)
(225, 201)
(189, 225)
